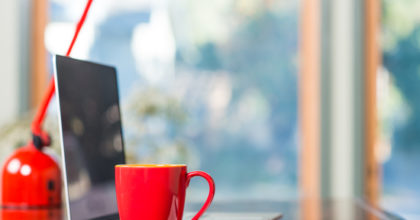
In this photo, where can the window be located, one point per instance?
(212, 84)
(399, 107)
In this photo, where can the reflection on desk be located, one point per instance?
(31, 214)
(306, 209)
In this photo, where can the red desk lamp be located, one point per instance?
(30, 178)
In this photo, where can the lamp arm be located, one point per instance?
(41, 138)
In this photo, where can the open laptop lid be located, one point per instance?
(91, 135)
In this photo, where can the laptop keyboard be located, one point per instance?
(108, 217)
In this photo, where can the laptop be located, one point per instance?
(91, 136)
(92, 141)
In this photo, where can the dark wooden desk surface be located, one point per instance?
(302, 210)
(351, 209)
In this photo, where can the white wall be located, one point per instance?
(343, 59)
(342, 122)
(13, 59)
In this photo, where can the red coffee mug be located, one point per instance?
(155, 192)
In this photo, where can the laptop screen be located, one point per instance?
(90, 127)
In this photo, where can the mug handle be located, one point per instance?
(212, 190)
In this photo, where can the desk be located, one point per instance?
(307, 209)
(301, 210)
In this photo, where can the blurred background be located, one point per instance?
(277, 99)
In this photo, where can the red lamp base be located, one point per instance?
(30, 179)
